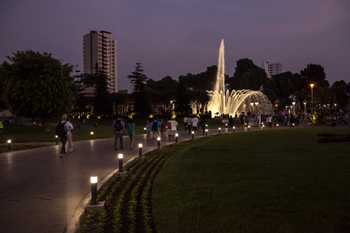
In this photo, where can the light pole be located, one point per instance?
(9, 144)
(305, 107)
(312, 86)
(140, 149)
(293, 104)
(176, 137)
(93, 183)
(120, 162)
(158, 142)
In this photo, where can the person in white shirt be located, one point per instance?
(194, 123)
(172, 128)
(69, 129)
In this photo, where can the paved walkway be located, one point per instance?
(39, 191)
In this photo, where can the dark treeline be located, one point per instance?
(37, 85)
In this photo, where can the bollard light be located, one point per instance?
(92, 133)
(56, 139)
(206, 125)
(145, 129)
(93, 183)
(140, 149)
(176, 137)
(56, 136)
(293, 124)
(249, 126)
(9, 144)
(219, 130)
(120, 162)
(206, 132)
(234, 128)
(192, 133)
(158, 142)
(277, 125)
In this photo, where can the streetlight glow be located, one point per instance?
(93, 180)
(9, 141)
(92, 133)
(140, 145)
(120, 156)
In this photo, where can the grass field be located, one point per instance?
(268, 181)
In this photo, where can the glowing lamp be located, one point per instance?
(93, 180)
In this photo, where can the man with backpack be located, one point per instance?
(119, 128)
(61, 132)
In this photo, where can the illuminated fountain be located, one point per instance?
(235, 102)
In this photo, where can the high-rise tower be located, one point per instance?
(100, 56)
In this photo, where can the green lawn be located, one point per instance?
(268, 181)
(21, 133)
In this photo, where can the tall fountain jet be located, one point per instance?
(220, 77)
(223, 101)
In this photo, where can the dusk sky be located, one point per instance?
(173, 37)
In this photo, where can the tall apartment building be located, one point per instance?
(272, 68)
(100, 56)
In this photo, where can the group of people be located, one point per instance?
(164, 128)
(122, 125)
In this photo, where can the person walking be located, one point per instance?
(172, 125)
(119, 127)
(131, 132)
(194, 123)
(69, 129)
(62, 133)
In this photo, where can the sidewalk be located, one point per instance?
(40, 191)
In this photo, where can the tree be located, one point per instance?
(37, 85)
(162, 91)
(247, 76)
(138, 79)
(316, 74)
(340, 92)
(183, 99)
(102, 100)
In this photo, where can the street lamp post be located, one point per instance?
(140, 149)
(120, 162)
(9, 144)
(93, 183)
(312, 86)
(158, 142)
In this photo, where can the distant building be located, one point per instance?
(272, 69)
(99, 51)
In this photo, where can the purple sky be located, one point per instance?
(173, 37)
